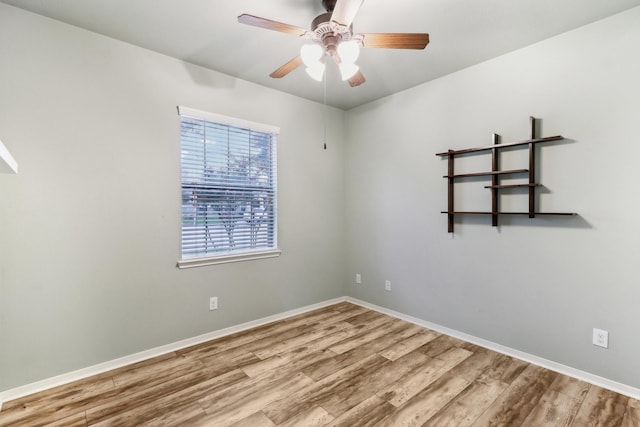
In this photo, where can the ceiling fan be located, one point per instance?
(332, 35)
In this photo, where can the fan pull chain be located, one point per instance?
(324, 110)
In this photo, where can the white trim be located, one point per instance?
(100, 368)
(227, 120)
(224, 259)
(158, 351)
(615, 386)
(7, 163)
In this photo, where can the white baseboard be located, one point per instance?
(59, 380)
(56, 381)
(606, 383)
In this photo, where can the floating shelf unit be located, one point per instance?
(495, 174)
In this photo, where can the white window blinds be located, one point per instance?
(229, 195)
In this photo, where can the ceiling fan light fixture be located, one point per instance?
(316, 72)
(311, 54)
(349, 51)
(348, 70)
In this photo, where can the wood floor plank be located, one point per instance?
(466, 408)
(326, 367)
(366, 317)
(229, 360)
(367, 413)
(407, 345)
(343, 315)
(287, 363)
(424, 405)
(145, 404)
(412, 383)
(55, 404)
(571, 387)
(257, 419)
(179, 417)
(266, 342)
(519, 399)
(554, 408)
(504, 368)
(221, 398)
(367, 383)
(339, 365)
(302, 339)
(320, 391)
(75, 420)
(218, 345)
(631, 417)
(75, 391)
(377, 328)
(472, 367)
(439, 345)
(485, 370)
(163, 370)
(300, 357)
(237, 409)
(601, 408)
(323, 316)
(314, 417)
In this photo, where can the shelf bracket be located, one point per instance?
(495, 166)
(450, 192)
(532, 169)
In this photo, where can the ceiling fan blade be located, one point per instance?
(287, 68)
(357, 79)
(345, 11)
(257, 21)
(396, 40)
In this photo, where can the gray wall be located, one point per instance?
(90, 227)
(539, 285)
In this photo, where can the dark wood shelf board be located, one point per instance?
(507, 213)
(513, 186)
(492, 173)
(500, 146)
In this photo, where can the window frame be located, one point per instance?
(212, 259)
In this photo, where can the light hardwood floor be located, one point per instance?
(342, 365)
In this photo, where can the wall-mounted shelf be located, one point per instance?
(507, 172)
(7, 163)
(495, 174)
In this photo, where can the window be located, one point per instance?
(228, 170)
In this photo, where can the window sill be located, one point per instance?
(225, 259)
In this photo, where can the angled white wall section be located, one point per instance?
(7, 163)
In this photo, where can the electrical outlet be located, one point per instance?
(358, 279)
(600, 338)
(387, 285)
(213, 303)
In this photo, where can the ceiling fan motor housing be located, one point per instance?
(329, 35)
(329, 5)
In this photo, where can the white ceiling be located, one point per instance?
(206, 33)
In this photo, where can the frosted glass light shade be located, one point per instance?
(349, 51)
(347, 70)
(311, 54)
(317, 71)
